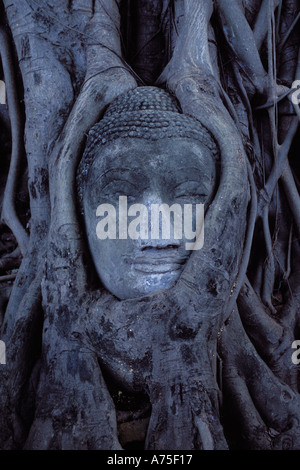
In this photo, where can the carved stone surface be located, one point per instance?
(148, 343)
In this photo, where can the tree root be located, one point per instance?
(176, 365)
(9, 214)
(275, 405)
(9, 277)
(11, 260)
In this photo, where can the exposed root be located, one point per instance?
(9, 214)
(9, 277)
(54, 319)
(11, 260)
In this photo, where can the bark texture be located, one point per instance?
(208, 363)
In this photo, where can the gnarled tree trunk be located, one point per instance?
(208, 363)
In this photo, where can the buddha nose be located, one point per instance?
(162, 233)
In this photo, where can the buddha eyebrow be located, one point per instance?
(185, 172)
(121, 180)
(119, 177)
(118, 170)
(196, 168)
(188, 182)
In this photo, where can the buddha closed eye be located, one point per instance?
(134, 173)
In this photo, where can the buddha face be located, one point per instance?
(168, 171)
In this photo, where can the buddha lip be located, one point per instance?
(157, 268)
(157, 261)
(155, 264)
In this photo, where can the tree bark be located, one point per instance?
(212, 356)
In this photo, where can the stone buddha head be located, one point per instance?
(146, 168)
